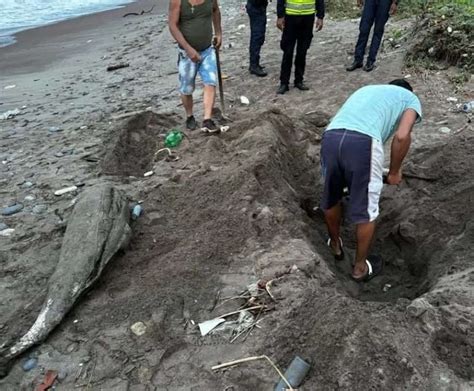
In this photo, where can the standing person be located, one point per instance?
(257, 11)
(375, 13)
(352, 156)
(296, 20)
(190, 23)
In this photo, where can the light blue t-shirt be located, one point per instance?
(376, 110)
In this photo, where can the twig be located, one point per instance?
(267, 288)
(117, 66)
(239, 311)
(243, 360)
(461, 129)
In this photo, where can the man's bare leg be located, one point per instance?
(209, 97)
(187, 104)
(333, 217)
(364, 234)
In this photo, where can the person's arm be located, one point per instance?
(400, 146)
(173, 21)
(280, 14)
(216, 21)
(319, 14)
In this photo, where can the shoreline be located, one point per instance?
(38, 47)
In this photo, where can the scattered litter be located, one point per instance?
(48, 381)
(407, 76)
(148, 173)
(224, 128)
(452, 99)
(7, 232)
(468, 107)
(9, 87)
(173, 138)
(10, 210)
(55, 129)
(117, 66)
(10, 114)
(450, 29)
(208, 325)
(244, 100)
(255, 358)
(171, 157)
(65, 190)
(241, 27)
(138, 328)
(30, 364)
(386, 287)
(137, 211)
(445, 130)
(295, 374)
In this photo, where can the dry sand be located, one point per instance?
(235, 209)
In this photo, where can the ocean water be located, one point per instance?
(18, 15)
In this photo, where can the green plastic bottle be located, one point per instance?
(173, 138)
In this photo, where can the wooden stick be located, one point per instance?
(254, 358)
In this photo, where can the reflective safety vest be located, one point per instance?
(300, 7)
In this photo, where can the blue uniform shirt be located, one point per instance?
(375, 110)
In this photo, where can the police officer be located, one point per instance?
(296, 20)
(257, 11)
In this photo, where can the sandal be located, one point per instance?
(374, 268)
(337, 257)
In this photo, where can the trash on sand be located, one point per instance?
(117, 66)
(468, 107)
(10, 114)
(9, 87)
(7, 232)
(244, 100)
(137, 211)
(295, 374)
(138, 328)
(445, 130)
(65, 190)
(171, 157)
(386, 287)
(452, 99)
(55, 129)
(173, 138)
(241, 27)
(30, 364)
(11, 210)
(48, 381)
(148, 173)
(255, 358)
(450, 29)
(224, 128)
(208, 325)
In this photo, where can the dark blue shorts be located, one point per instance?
(353, 160)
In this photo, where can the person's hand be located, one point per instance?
(217, 41)
(394, 178)
(193, 55)
(319, 24)
(280, 23)
(393, 8)
(360, 3)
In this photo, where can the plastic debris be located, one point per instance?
(137, 211)
(468, 107)
(55, 129)
(445, 130)
(148, 173)
(386, 287)
(9, 87)
(48, 381)
(452, 99)
(7, 232)
(450, 29)
(244, 100)
(65, 190)
(10, 114)
(208, 325)
(295, 374)
(30, 364)
(241, 27)
(173, 138)
(138, 328)
(10, 210)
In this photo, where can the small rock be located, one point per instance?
(452, 99)
(241, 27)
(30, 364)
(27, 185)
(138, 328)
(10, 210)
(445, 130)
(450, 29)
(55, 129)
(38, 209)
(29, 198)
(7, 232)
(386, 287)
(71, 347)
(244, 100)
(418, 307)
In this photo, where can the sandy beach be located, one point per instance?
(233, 210)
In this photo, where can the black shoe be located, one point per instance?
(369, 66)
(209, 126)
(282, 89)
(191, 123)
(355, 65)
(301, 86)
(258, 71)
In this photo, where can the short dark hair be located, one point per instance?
(401, 83)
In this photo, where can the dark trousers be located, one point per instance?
(298, 32)
(375, 14)
(258, 25)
